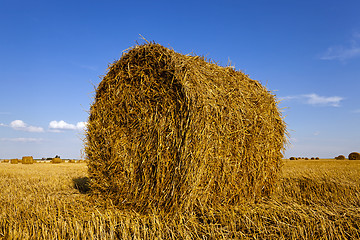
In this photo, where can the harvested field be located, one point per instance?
(313, 200)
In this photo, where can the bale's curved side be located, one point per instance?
(172, 130)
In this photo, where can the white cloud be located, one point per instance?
(2, 125)
(21, 139)
(56, 126)
(22, 126)
(17, 124)
(317, 133)
(81, 125)
(316, 100)
(343, 53)
(61, 125)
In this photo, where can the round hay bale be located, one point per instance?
(71, 161)
(27, 160)
(5, 161)
(171, 130)
(317, 158)
(354, 156)
(340, 157)
(292, 158)
(14, 161)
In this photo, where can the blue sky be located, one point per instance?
(53, 53)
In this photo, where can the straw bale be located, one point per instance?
(14, 161)
(173, 131)
(57, 160)
(340, 157)
(27, 160)
(71, 161)
(354, 156)
(5, 161)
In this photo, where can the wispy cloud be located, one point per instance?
(57, 126)
(84, 66)
(21, 139)
(22, 126)
(88, 67)
(341, 52)
(316, 100)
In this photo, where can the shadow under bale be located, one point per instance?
(82, 184)
(174, 131)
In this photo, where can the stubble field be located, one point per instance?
(314, 199)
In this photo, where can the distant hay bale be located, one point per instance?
(27, 160)
(71, 161)
(354, 156)
(56, 160)
(340, 157)
(292, 158)
(171, 130)
(317, 158)
(5, 161)
(306, 158)
(312, 158)
(14, 161)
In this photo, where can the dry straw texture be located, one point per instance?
(354, 156)
(27, 160)
(176, 131)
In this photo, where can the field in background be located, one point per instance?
(315, 199)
